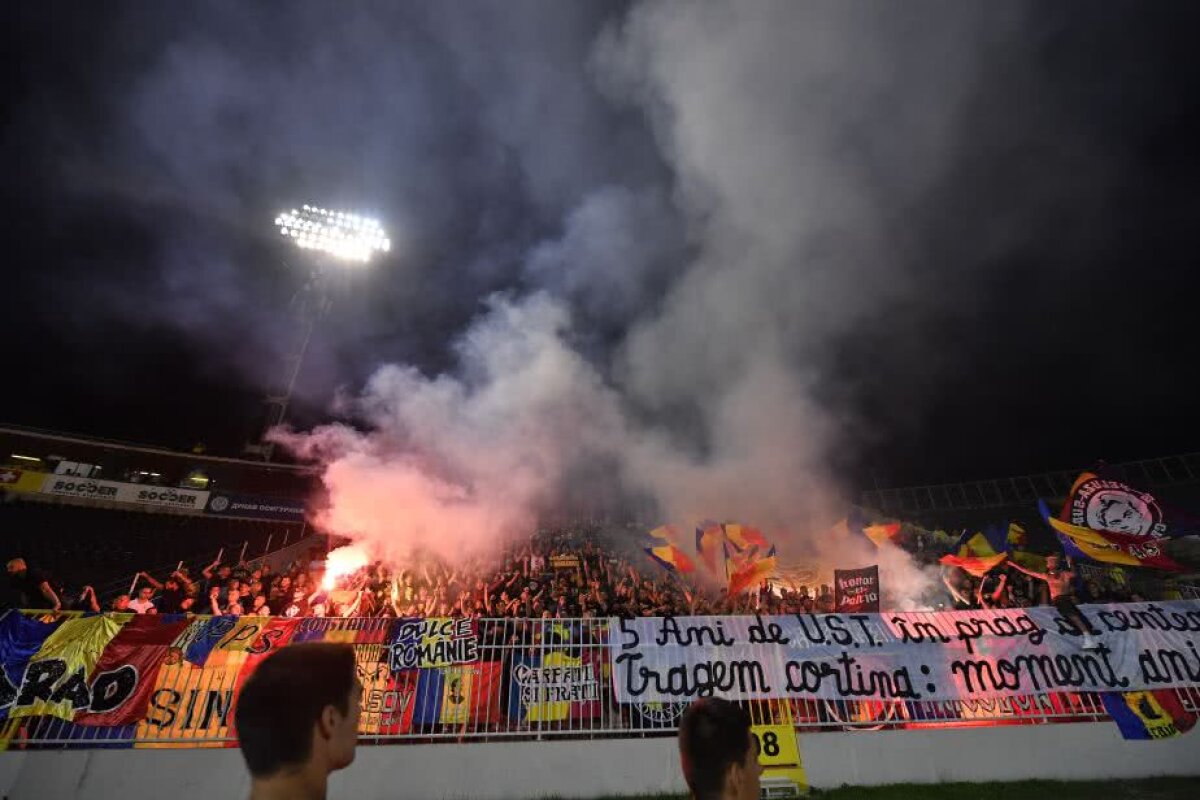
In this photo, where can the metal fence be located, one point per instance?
(522, 679)
(1153, 473)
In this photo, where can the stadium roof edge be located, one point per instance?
(149, 449)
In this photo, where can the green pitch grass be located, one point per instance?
(1150, 789)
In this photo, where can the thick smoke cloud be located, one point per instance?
(788, 133)
(456, 465)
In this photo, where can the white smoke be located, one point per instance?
(457, 464)
(792, 133)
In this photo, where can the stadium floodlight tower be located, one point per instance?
(334, 239)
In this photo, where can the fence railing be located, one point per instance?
(1152, 473)
(502, 679)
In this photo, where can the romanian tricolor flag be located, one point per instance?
(710, 544)
(671, 558)
(56, 676)
(744, 537)
(458, 694)
(877, 532)
(976, 565)
(20, 638)
(976, 545)
(992, 540)
(667, 533)
(1109, 547)
(1148, 715)
(882, 532)
(752, 572)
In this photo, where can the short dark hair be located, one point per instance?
(714, 734)
(284, 698)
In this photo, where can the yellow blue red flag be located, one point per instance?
(56, 679)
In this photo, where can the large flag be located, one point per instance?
(20, 638)
(710, 544)
(459, 694)
(974, 544)
(976, 565)
(56, 677)
(671, 558)
(128, 669)
(1148, 715)
(990, 541)
(191, 706)
(744, 537)
(267, 636)
(388, 709)
(752, 572)
(203, 635)
(555, 686)
(1109, 547)
(1108, 505)
(667, 533)
(882, 532)
(856, 524)
(193, 698)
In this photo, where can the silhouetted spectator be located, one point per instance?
(30, 587)
(717, 751)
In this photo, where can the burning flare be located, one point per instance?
(342, 561)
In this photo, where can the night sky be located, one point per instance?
(959, 240)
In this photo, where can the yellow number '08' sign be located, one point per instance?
(779, 755)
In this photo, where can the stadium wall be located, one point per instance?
(589, 769)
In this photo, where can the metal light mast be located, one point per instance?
(335, 239)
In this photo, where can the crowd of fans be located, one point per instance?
(566, 573)
(1007, 586)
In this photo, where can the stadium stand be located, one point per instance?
(80, 546)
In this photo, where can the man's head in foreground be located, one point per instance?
(297, 718)
(718, 752)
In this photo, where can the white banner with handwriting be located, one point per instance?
(950, 655)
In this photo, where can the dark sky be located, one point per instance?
(969, 234)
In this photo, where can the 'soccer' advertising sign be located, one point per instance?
(67, 486)
(240, 505)
(911, 656)
(162, 496)
(137, 493)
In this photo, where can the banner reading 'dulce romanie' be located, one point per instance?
(953, 655)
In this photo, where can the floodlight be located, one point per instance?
(336, 233)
